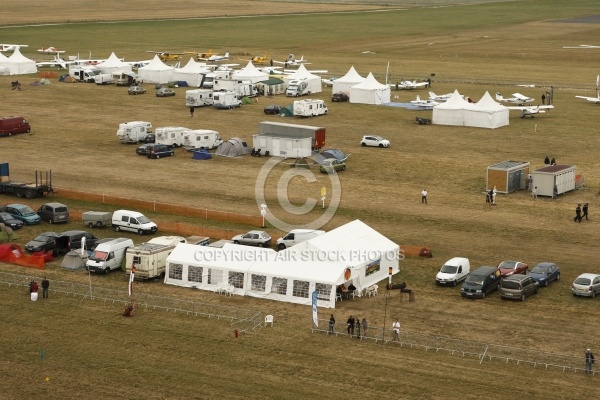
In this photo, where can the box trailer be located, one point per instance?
(198, 98)
(170, 135)
(563, 177)
(134, 131)
(507, 176)
(41, 187)
(201, 139)
(316, 133)
(97, 219)
(150, 258)
(12, 125)
(309, 108)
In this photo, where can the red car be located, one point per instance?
(508, 268)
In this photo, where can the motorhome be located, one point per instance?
(201, 139)
(134, 131)
(104, 79)
(296, 236)
(150, 258)
(309, 108)
(84, 73)
(297, 88)
(453, 271)
(226, 99)
(108, 256)
(242, 88)
(198, 98)
(170, 135)
(209, 79)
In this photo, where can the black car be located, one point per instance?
(340, 97)
(71, 240)
(43, 242)
(10, 221)
(160, 150)
(272, 109)
(143, 149)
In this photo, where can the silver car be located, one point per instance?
(253, 238)
(586, 285)
(518, 287)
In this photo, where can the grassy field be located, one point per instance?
(93, 352)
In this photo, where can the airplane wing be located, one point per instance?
(529, 108)
(592, 99)
(522, 97)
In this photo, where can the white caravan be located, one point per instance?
(104, 79)
(226, 100)
(309, 108)
(242, 88)
(170, 135)
(209, 79)
(134, 131)
(297, 88)
(109, 255)
(296, 236)
(198, 98)
(150, 258)
(453, 271)
(201, 139)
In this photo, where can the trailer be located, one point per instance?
(316, 133)
(201, 139)
(150, 258)
(198, 98)
(309, 108)
(41, 187)
(241, 87)
(134, 131)
(170, 135)
(226, 99)
(97, 219)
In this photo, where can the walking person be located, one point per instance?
(534, 193)
(585, 211)
(424, 196)
(396, 329)
(577, 214)
(192, 112)
(331, 325)
(555, 192)
(357, 328)
(365, 326)
(45, 286)
(351, 326)
(589, 361)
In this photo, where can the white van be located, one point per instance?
(297, 236)
(453, 271)
(109, 255)
(132, 221)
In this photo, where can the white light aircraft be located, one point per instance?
(518, 99)
(11, 47)
(51, 50)
(217, 58)
(411, 85)
(57, 61)
(426, 104)
(442, 97)
(530, 110)
(592, 99)
(292, 61)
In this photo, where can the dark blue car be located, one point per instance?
(544, 273)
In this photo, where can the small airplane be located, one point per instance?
(57, 61)
(531, 110)
(517, 99)
(259, 59)
(592, 99)
(11, 47)
(201, 56)
(51, 50)
(426, 104)
(411, 85)
(328, 81)
(292, 61)
(217, 58)
(166, 56)
(582, 46)
(441, 97)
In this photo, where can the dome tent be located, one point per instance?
(234, 147)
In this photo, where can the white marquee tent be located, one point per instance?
(314, 81)
(343, 84)
(19, 64)
(250, 73)
(486, 113)
(114, 65)
(451, 112)
(4, 68)
(370, 92)
(192, 73)
(156, 72)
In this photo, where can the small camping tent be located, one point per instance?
(201, 154)
(156, 72)
(234, 147)
(370, 92)
(75, 259)
(343, 84)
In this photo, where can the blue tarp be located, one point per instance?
(201, 154)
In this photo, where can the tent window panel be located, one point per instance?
(176, 271)
(215, 276)
(236, 279)
(194, 274)
(323, 291)
(300, 289)
(279, 286)
(259, 283)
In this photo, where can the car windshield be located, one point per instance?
(143, 219)
(510, 285)
(42, 238)
(508, 264)
(539, 270)
(474, 280)
(449, 269)
(26, 210)
(99, 255)
(582, 281)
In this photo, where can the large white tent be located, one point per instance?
(192, 73)
(250, 73)
(19, 64)
(4, 68)
(302, 74)
(156, 72)
(486, 113)
(370, 92)
(351, 253)
(114, 65)
(451, 112)
(343, 84)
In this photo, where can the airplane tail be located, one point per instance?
(301, 58)
(499, 96)
(418, 98)
(432, 95)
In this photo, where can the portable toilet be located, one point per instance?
(507, 176)
(564, 177)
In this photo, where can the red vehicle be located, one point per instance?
(10, 125)
(508, 268)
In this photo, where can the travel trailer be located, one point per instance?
(201, 139)
(134, 132)
(170, 135)
(198, 98)
(150, 258)
(309, 108)
(226, 99)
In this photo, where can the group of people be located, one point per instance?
(548, 161)
(344, 291)
(33, 287)
(354, 325)
(578, 215)
(490, 197)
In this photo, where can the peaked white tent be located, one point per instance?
(192, 73)
(314, 81)
(451, 112)
(114, 65)
(343, 84)
(250, 73)
(486, 113)
(370, 92)
(4, 68)
(20, 65)
(156, 72)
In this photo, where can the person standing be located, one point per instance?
(589, 361)
(396, 329)
(365, 326)
(553, 161)
(351, 326)
(192, 112)
(424, 196)
(529, 182)
(546, 161)
(35, 287)
(45, 286)
(577, 214)
(543, 98)
(555, 192)
(585, 212)
(357, 328)
(534, 192)
(331, 325)
(494, 196)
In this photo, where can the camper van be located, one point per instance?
(170, 135)
(201, 139)
(109, 255)
(132, 221)
(198, 98)
(209, 79)
(134, 132)
(10, 125)
(453, 271)
(104, 79)
(296, 236)
(242, 88)
(84, 74)
(226, 99)
(309, 108)
(150, 258)
(297, 88)
(481, 282)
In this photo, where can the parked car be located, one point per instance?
(143, 149)
(544, 273)
(508, 268)
(150, 138)
(165, 92)
(54, 212)
(481, 282)
(71, 240)
(332, 165)
(518, 287)
(340, 97)
(272, 109)
(42, 242)
(136, 90)
(10, 221)
(23, 213)
(586, 285)
(253, 238)
(160, 150)
(374, 141)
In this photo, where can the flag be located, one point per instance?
(131, 274)
(314, 308)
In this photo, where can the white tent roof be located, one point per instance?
(156, 71)
(487, 103)
(156, 64)
(19, 64)
(3, 57)
(486, 113)
(112, 62)
(250, 72)
(370, 92)
(455, 102)
(301, 73)
(370, 83)
(351, 77)
(193, 67)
